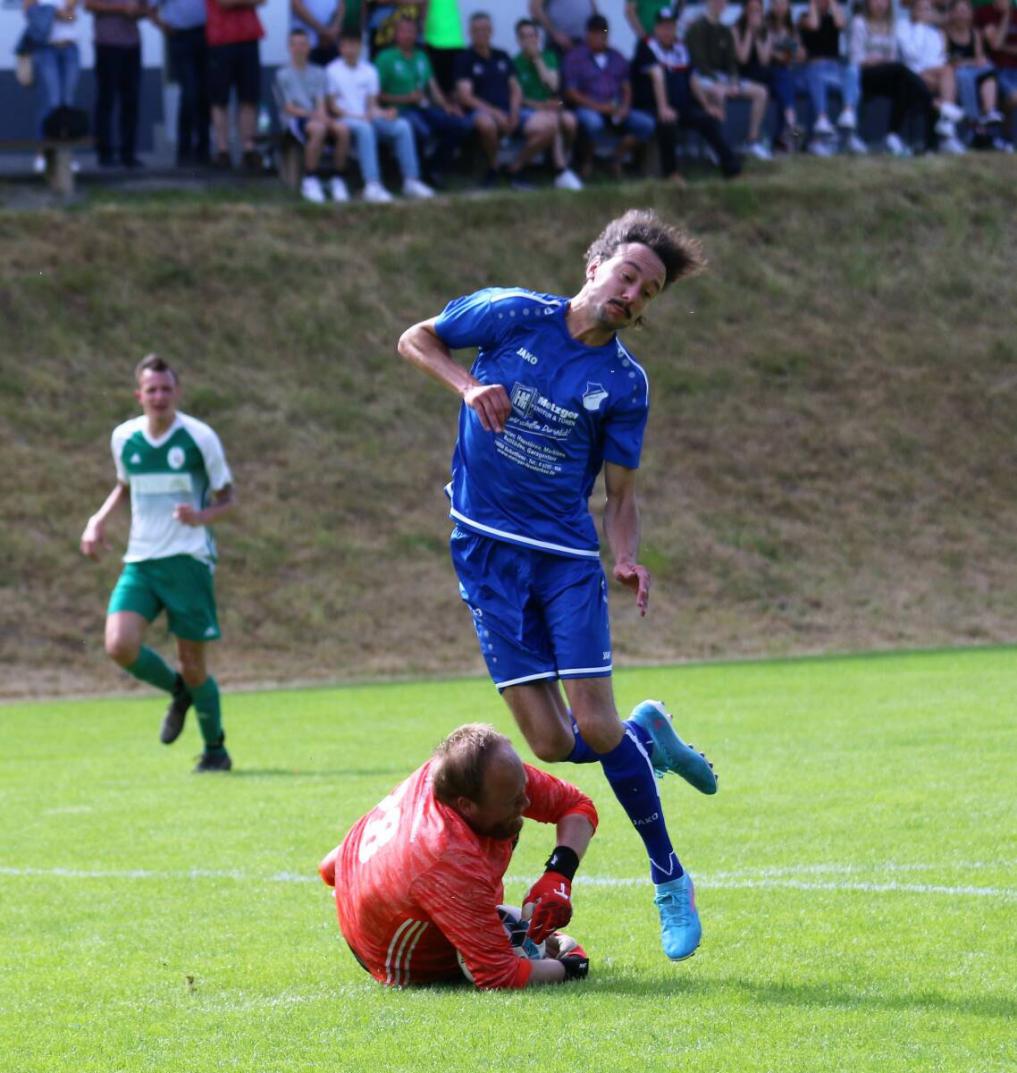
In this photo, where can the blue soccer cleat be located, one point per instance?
(670, 753)
(680, 930)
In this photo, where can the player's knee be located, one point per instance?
(122, 650)
(193, 672)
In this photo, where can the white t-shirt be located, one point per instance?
(183, 465)
(68, 32)
(350, 87)
(921, 46)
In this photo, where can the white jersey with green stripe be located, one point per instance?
(183, 466)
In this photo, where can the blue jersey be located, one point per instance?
(573, 408)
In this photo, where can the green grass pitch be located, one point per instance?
(857, 881)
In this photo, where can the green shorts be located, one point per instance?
(181, 584)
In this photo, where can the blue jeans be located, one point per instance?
(448, 130)
(57, 70)
(639, 124)
(188, 56)
(823, 75)
(968, 81)
(396, 132)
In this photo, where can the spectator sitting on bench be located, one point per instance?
(597, 85)
(923, 48)
(663, 83)
(757, 63)
(57, 65)
(489, 92)
(820, 29)
(785, 54)
(408, 84)
(540, 82)
(714, 59)
(977, 85)
(998, 22)
(352, 88)
(300, 93)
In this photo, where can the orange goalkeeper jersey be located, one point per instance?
(414, 883)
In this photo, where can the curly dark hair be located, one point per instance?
(680, 253)
(461, 761)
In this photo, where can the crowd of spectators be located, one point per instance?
(365, 74)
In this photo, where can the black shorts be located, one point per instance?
(234, 66)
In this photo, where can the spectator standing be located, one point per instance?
(117, 77)
(408, 84)
(977, 87)
(664, 85)
(715, 60)
(873, 50)
(489, 92)
(57, 61)
(641, 15)
(300, 93)
(563, 21)
(998, 22)
(597, 85)
(923, 48)
(183, 25)
(539, 78)
(820, 29)
(321, 20)
(443, 36)
(383, 17)
(785, 55)
(754, 51)
(352, 85)
(233, 30)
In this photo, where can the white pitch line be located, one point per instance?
(720, 881)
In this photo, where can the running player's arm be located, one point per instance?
(93, 539)
(423, 347)
(220, 480)
(222, 501)
(621, 527)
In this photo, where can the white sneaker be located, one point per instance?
(377, 194)
(950, 111)
(820, 148)
(568, 180)
(338, 189)
(894, 145)
(758, 150)
(847, 120)
(822, 126)
(39, 164)
(414, 188)
(952, 147)
(945, 128)
(992, 117)
(856, 146)
(310, 190)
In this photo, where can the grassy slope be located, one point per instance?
(829, 465)
(860, 799)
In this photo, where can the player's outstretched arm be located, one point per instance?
(93, 539)
(548, 903)
(422, 346)
(621, 527)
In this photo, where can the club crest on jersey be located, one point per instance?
(594, 395)
(175, 457)
(523, 398)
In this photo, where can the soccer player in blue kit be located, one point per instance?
(553, 397)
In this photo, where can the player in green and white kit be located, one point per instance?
(174, 470)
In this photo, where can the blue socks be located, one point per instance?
(628, 770)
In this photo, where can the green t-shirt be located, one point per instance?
(443, 27)
(530, 81)
(646, 10)
(400, 75)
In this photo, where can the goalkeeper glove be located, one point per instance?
(551, 896)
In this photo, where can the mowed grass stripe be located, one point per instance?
(835, 774)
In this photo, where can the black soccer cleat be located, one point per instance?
(176, 713)
(217, 761)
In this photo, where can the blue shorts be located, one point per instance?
(536, 615)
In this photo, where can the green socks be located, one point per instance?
(206, 704)
(150, 667)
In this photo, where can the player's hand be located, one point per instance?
(187, 515)
(551, 899)
(577, 965)
(93, 542)
(490, 402)
(637, 578)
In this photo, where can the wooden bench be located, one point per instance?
(58, 154)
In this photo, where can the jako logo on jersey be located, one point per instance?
(523, 398)
(593, 396)
(527, 355)
(175, 457)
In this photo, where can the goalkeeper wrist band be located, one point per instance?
(564, 861)
(576, 968)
